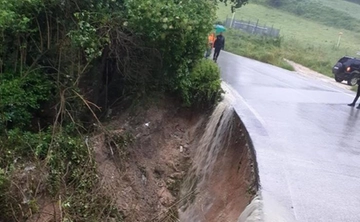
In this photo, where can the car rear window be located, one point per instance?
(344, 59)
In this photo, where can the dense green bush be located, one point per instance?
(177, 29)
(20, 97)
(203, 86)
(93, 47)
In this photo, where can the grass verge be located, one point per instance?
(264, 49)
(274, 50)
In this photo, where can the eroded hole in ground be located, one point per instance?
(222, 180)
(171, 164)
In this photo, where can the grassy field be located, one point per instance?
(349, 8)
(293, 27)
(303, 40)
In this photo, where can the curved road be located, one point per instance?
(307, 140)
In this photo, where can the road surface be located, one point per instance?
(307, 140)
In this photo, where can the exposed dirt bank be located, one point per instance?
(223, 177)
(144, 180)
(146, 156)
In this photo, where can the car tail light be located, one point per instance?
(348, 69)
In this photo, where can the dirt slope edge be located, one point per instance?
(223, 193)
(143, 175)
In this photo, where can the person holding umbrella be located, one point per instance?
(219, 42)
(218, 45)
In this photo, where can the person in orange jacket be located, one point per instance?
(211, 40)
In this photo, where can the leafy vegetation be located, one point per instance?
(70, 175)
(235, 3)
(204, 84)
(178, 32)
(63, 63)
(20, 97)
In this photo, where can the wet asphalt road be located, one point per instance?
(306, 138)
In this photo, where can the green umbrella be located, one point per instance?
(220, 28)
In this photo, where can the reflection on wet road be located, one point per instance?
(306, 138)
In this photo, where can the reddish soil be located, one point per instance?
(145, 183)
(232, 184)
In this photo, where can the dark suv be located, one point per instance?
(348, 69)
